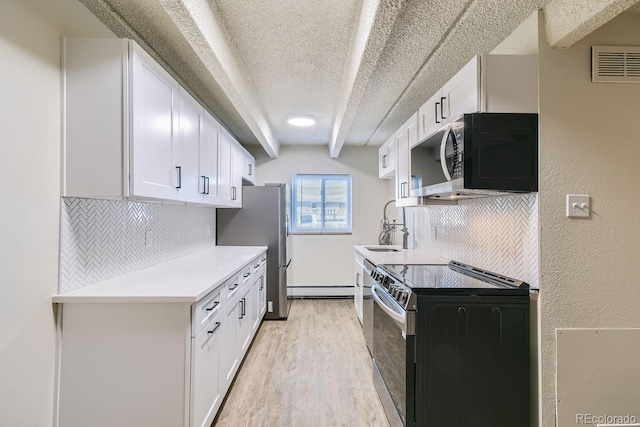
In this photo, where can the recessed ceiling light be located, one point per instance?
(301, 121)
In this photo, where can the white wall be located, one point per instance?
(329, 259)
(30, 173)
(589, 144)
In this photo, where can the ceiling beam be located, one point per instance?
(199, 25)
(568, 21)
(377, 18)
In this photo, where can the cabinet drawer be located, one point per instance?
(232, 285)
(206, 309)
(259, 262)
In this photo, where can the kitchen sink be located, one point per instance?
(381, 249)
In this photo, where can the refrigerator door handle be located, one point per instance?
(285, 266)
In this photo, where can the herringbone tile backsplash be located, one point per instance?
(102, 239)
(499, 234)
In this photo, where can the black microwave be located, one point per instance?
(478, 155)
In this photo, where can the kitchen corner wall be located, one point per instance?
(102, 239)
(589, 269)
(499, 234)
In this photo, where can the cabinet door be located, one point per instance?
(249, 168)
(402, 168)
(262, 295)
(186, 151)
(229, 355)
(208, 175)
(387, 159)
(473, 365)
(244, 322)
(238, 165)
(224, 169)
(253, 306)
(205, 373)
(154, 117)
(430, 116)
(406, 137)
(461, 94)
(357, 291)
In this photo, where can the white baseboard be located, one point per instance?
(326, 291)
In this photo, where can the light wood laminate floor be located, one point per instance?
(312, 370)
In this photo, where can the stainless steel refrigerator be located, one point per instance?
(263, 220)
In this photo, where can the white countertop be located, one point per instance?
(185, 279)
(403, 256)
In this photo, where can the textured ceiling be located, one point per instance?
(360, 67)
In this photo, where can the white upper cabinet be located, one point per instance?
(154, 125)
(131, 131)
(387, 159)
(208, 170)
(187, 150)
(224, 168)
(230, 168)
(406, 138)
(249, 168)
(487, 83)
(238, 165)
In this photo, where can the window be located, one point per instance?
(321, 204)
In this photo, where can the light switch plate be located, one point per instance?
(578, 206)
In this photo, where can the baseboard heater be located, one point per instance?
(320, 291)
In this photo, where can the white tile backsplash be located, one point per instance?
(102, 239)
(499, 234)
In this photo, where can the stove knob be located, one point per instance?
(396, 292)
(402, 298)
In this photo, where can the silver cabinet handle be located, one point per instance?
(357, 276)
(215, 328)
(213, 307)
(233, 288)
(385, 161)
(204, 184)
(442, 107)
(233, 193)
(179, 171)
(250, 169)
(437, 103)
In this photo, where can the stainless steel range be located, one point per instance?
(450, 346)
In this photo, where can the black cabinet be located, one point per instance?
(472, 361)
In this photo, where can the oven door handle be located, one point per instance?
(395, 316)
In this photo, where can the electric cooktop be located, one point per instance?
(453, 276)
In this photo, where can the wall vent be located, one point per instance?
(615, 64)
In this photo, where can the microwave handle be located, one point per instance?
(443, 150)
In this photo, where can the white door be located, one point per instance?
(229, 355)
(244, 321)
(238, 165)
(462, 92)
(154, 130)
(205, 373)
(209, 145)
(186, 151)
(224, 168)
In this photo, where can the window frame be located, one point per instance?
(324, 177)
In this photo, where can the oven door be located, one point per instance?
(391, 367)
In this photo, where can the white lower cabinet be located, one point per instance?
(206, 380)
(358, 295)
(229, 360)
(160, 364)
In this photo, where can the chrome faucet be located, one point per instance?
(387, 229)
(405, 231)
